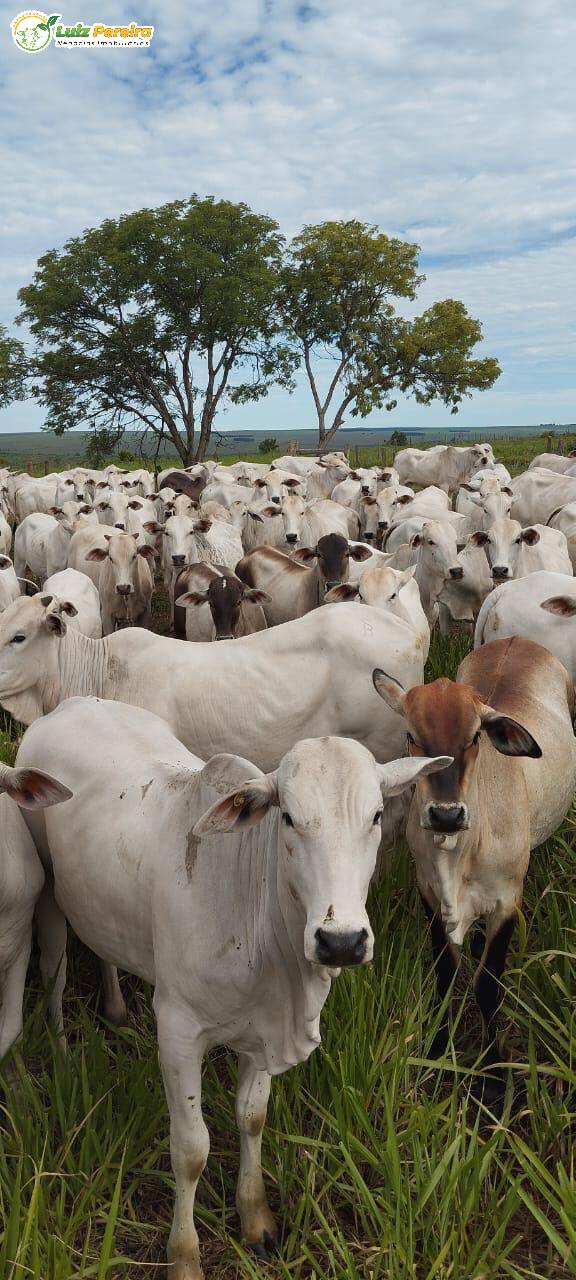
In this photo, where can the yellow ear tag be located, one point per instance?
(239, 800)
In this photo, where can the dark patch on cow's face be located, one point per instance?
(224, 597)
(443, 718)
(333, 553)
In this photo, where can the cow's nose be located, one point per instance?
(500, 571)
(119, 525)
(365, 488)
(124, 589)
(383, 524)
(178, 559)
(224, 637)
(291, 537)
(446, 817)
(338, 949)
(276, 500)
(368, 534)
(457, 571)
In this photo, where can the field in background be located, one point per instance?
(379, 1163)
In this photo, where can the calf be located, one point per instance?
(216, 605)
(239, 894)
(507, 722)
(394, 590)
(79, 599)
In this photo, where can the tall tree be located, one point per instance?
(13, 369)
(340, 283)
(157, 319)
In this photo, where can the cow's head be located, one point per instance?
(181, 532)
(122, 554)
(332, 555)
(290, 508)
(451, 719)
(503, 542)
(438, 547)
(31, 630)
(224, 596)
(330, 793)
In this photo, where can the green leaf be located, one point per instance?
(53, 19)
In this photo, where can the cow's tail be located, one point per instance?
(482, 618)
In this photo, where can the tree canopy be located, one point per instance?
(158, 319)
(13, 369)
(339, 284)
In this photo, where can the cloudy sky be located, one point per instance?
(451, 125)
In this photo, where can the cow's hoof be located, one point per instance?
(266, 1248)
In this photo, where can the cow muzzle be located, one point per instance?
(291, 538)
(178, 560)
(446, 817)
(337, 950)
(457, 571)
(500, 572)
(120, 525)
(124, 589)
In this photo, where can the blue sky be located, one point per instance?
(450, 125)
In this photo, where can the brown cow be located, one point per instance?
(297, 584)
(507, 722)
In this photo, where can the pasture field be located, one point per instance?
(380, 1164)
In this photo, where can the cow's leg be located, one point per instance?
(113, 1003)
(14, 981)
(445, 965)
(489, 994)
(258, 1225)
(181, 1052)
(52, 935)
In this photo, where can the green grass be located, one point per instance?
(378, 1163)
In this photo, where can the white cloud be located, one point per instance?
(451, 126)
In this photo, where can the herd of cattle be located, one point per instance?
(210, 818)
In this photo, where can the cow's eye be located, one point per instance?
(377, 817)
(393, 596)
(17, 639)
(476, 738)
(287, 819)
(431, 543)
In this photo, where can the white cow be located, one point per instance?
(76, 589)
(21, 882)
(565, 521)
(514, 552)
(118, 567)
(538, 493)
(31, 542)
(553, 462)
(394, 590)
(9, 584)
(239, 895)
(445, 465)
(539, 608)
(260, 694)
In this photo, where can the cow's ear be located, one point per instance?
(509, 737)
(55, 622)
(478, 539)
(562, 606)
(191, 597)
(390, 690)
(69, 608)
(404, 499)
(344, 591)
(32, 789)
(259, 483)
(271, 510)
(254, 596)
(97, 553)
(416, 541)
(353, 475)
(203, 525)
(305, 555)
(152, 526)
(135, 504)
(255, 515)
(360, 552)
(5, 562)
(146, 551)
(243, 807)
(530, 537)
(406, 576)
(507, 490)
(291, 483)
(401, 774)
